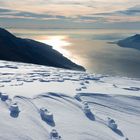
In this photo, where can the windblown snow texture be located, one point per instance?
(35, 100)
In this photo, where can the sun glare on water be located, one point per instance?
(58, 43)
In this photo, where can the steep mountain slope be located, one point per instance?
(26, 50)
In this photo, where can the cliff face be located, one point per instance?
(17, 49)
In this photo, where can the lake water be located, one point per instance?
(90, 48)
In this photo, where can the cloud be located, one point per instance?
(8, 13)
(132, 11)
(131, 14)
(66, 7)
(81, 12)
(5, 10)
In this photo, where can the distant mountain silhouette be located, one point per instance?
(130, 42)
(17, 49)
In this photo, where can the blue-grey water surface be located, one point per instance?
(90, 48)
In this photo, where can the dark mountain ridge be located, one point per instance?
(17, 49)
(130, 42)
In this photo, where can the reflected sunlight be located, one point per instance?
(57, 42)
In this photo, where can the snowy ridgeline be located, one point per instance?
(44, 103)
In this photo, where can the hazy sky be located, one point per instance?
(70, 13)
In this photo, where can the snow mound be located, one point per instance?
(44, 103)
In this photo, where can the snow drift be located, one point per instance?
(38, 105)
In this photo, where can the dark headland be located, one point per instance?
(130, 42)
(17, 49)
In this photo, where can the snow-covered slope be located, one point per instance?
(79, 105)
